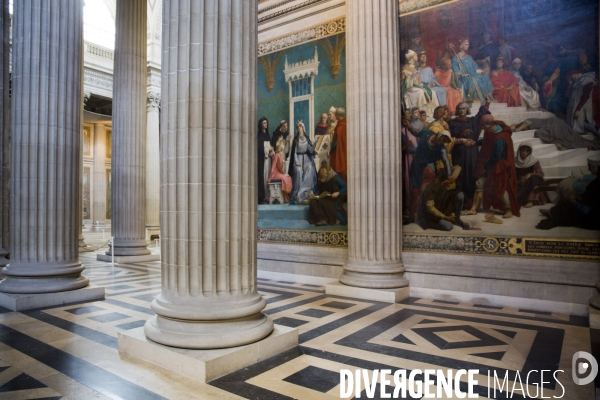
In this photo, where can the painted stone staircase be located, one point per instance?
(555, 163)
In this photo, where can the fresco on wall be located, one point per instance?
(302, 140)
(500, 126)
(87, 173)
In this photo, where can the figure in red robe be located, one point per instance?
(278, 174)
(338, 147)
(506, 87)
(495, 171)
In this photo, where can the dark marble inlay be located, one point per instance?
(291, 322)
(131, 325)
(338, 304)
(484, 339)
(119, 287)
(114, 316)
(510, 334)
(315, 313)
(446, 302)
(147, 297)
(493, 356)
(488, 307)
(21, 382)
(534, 311)
(402, 339)
(430, 321)
(88, 374)
(85, 310)
(315, 378)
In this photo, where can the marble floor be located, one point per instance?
(70, 351)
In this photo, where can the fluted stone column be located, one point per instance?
(4, 135)
(208, 184)
(374, 147)
(45, 159)
(152, 165)
(129, 130)
(99, 192)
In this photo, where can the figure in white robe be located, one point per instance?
(416, 94)
(528, 95)
(580, 114)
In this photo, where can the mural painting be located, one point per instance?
(302, 138)
(500, 125)
(86, 202)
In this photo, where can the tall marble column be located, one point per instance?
(208, 183)
(4, 134)
(99, 197)
(128, 134)
(45, 158)
(374, 147)
(152, 165)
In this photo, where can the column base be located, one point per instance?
(205, 365)
(128, 259)
(594, 317)
(152, 231)
(20, 302)
(384, 295)
(3, 263)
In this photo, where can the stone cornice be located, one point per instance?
(284, 11)
(329, 28)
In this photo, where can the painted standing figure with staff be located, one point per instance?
(475, 85)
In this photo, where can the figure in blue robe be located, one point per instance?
(474, 85)
(427, 78)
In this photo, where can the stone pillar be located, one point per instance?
(152, 165)
(4, 135)
(208, 183)
(129, 130)
(99, 191)
(374, 146)
(45, 162)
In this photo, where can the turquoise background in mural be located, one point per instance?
(328, 92)
(301, 112)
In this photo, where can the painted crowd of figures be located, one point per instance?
(567, 88)
(322, 186)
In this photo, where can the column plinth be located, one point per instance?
(374, 166)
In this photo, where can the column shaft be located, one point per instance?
(208, 177)
(374, 146)
(129, 131)
(153, 161)
(45, 158)
(99, 192)
(4, 134)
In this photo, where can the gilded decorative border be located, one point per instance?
(314, 32)
(579, 249)
(314, 238)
